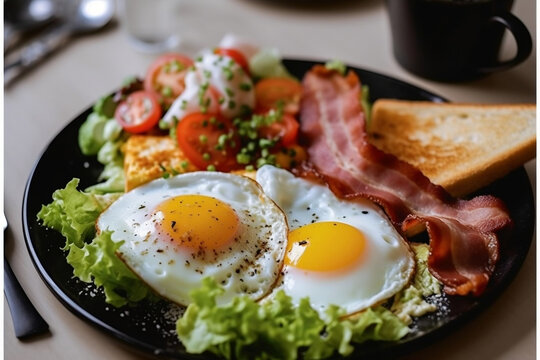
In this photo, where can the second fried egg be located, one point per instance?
(339, 252)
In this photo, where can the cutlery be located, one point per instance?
(22, 17)
(26, 319)
(82, 16)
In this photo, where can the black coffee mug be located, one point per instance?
(455, 40)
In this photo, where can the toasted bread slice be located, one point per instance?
(461, 147)
(148, 157)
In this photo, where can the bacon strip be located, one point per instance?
(464, 247)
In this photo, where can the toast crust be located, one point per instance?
(461, 147)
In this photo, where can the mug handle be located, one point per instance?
(521, 36)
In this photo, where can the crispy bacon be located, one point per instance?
(464, 247)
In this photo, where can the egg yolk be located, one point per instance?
(196, 222)
(325, 246)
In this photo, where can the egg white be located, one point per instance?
(249, 266)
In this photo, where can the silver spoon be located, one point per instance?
(26, 319)
(77, 17)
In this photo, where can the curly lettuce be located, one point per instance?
(97, 262)
(277, 329)
(73, 213)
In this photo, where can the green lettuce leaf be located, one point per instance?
(277, 329)
(93, 257)
(336, 65)
(101, 135)
(73, 213)
(112, 177)
(96, 131)
(268, 63)
(97, 262)
(99, 126)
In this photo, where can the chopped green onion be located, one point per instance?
(229, 92)
(167, 91)
(222, 139)
(243, 158)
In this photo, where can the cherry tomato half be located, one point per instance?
(236, 55)
(165, 77)
(208, 141)
(139, 113)
(286, 128)
(269, 92)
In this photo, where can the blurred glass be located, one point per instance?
(150, 24)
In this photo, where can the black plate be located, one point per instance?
(148, 326)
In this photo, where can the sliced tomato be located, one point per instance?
(165, 77)
(285, 128)
(139, 113)
(236, 55)
(270, 92)
(201, 138)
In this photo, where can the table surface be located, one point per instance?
(357, 32)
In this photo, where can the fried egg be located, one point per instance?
(340, 252)
(179, 230)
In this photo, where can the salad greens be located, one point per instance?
(101, 135)
(97, 262)
(73, 213)
(268, 63)
(277, 329)
(336, 65)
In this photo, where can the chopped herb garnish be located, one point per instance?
(243, 159)
(229, 75)
(167, 91)
(176, 66)
(229, 92)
